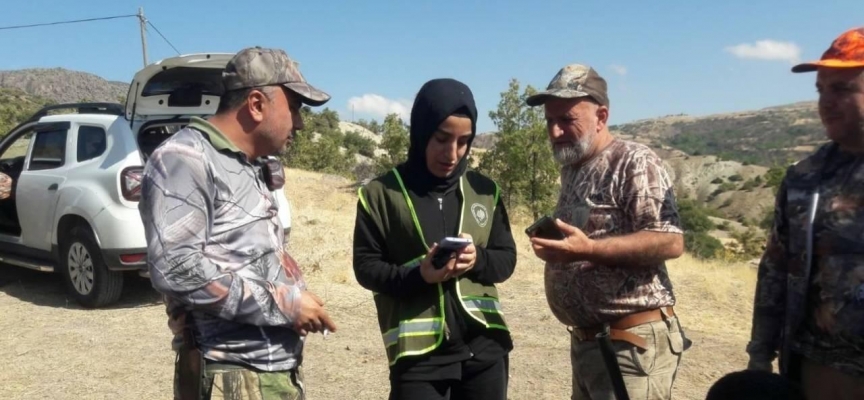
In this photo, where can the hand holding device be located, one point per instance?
(545, 228)
(447, 248)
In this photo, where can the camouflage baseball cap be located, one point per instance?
(846, 51)
(256, 66)
(573, 81)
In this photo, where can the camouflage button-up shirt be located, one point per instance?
(215, 247)
(816, 309)
(622, 190)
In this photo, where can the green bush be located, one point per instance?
(356, 143)
(694, 217)
(725, 187)
(749, 185)
(701, 245)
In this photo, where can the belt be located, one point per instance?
(618, 328)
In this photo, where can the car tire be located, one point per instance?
(85, 275)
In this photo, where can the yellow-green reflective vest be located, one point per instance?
(414, 326)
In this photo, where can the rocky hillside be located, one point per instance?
(63, 86)
(736, 191)
(16, 106)
(769, 136)
(484, 140)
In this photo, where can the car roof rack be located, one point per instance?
(80, 108)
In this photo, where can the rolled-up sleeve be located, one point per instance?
(177, 208)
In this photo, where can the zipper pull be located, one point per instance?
(440, 204)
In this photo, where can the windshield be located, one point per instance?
(206, 80)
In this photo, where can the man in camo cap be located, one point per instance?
(237, 301)
(809, 303)
(617, 212)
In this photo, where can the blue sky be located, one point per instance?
(660, 57)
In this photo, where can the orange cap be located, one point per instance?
(847, 51)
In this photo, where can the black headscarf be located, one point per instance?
(437, 100)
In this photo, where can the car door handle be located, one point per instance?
(53, 186)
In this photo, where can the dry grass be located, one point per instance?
(57, 350)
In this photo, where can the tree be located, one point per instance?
(318, 147)
(356, 143)
(373, 126)
(394, 142)
(521, 161)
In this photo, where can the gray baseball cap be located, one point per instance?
(573, 81)
(256, 66)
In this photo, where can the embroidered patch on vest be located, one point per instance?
(481, 215)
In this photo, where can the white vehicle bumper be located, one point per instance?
(120, 233)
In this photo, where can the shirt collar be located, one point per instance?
(219, 141)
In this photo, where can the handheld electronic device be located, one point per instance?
(545, 228)
(446, 249)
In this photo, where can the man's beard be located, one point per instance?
(573, 152)
(276, 142)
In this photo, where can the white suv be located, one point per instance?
(76, 177)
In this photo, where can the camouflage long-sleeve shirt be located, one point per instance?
(817, 308)
(215, 247)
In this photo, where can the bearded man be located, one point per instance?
(620, 224)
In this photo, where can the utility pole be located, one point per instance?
(143, 22)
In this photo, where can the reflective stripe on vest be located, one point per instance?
(413, 327)
(484, 304)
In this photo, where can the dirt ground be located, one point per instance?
(57, 350)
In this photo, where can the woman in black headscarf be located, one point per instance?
(443, 331)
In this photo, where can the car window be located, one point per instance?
(91, 142)
(18, 148)
(49, 150)
(207, 81)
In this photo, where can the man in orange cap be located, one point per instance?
(809, 303)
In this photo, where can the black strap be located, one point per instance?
(611, 362)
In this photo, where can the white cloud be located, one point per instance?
(619, 69)
(379, 106)
(767, 50)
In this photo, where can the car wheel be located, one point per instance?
(85, 274)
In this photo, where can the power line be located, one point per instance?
(91, 20)
(163, 36)
(68, 22)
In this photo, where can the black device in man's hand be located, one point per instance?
(545, 228)
(445, 250)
